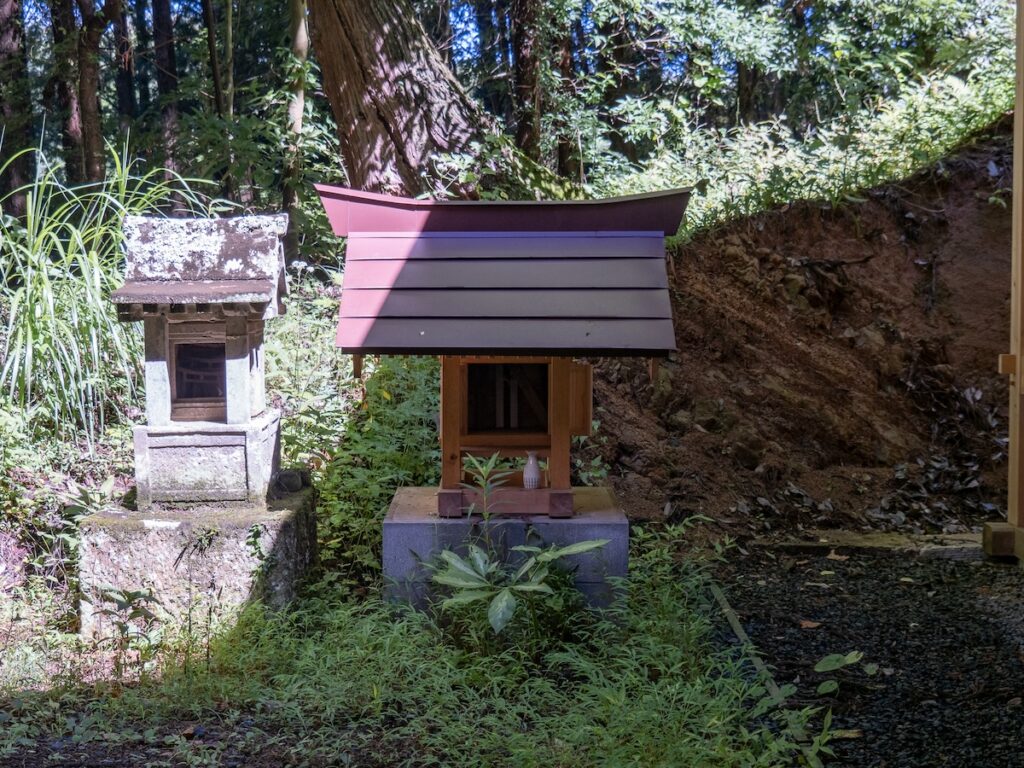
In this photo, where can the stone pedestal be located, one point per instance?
(208, 561)
(415, 534)
(205, 461)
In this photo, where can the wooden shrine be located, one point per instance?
(510, 295)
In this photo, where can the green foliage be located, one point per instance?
(482, 577)
(647, 684)
(752, 169)
(65, 361)
(390, 440)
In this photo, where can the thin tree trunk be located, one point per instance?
(526, 75)
(125, 82)
(94, 23)
(299, 34)
(15, 107)
(395, 101)
(143, 55)
(746, 81)
(437, 20)
(63, 86)
(166, 78)
(211, 46)
(568, 143)
(229, 56)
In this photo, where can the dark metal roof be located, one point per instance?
(566, 278)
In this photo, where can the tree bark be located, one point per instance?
(15, 106)
(211, 46)
(144, 54)
(62, 87)
(94, 23)
(395, 102)
(166, 78)
(125, 81)
(526, 75)
(568, 144)
(299, 34)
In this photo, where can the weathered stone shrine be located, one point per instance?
(511, 295)
(214, 523)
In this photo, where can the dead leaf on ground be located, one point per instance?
(833, 556)
(807, 624)
(848, 733)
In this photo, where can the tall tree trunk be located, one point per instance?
(395, 101)
(166, 78)
(15, 106)
(299, 34)
(125, 82)
(63, 86)
(143, 55)
(210, 20)
(746, 81)
(94, 23)
(568, 143)
(526, 75)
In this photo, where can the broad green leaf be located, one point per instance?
(501, 610)
(828, 686)
(459, 580)
(470, 596)
(573, 549)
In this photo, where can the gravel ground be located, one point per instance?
(947, 637)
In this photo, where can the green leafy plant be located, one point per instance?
(135, 627)
(487, 476)
(479, 577)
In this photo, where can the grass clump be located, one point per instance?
(65, 361)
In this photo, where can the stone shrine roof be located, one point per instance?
(170, 261)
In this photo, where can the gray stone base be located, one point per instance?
(201, 562)
(415, 534)
(197, 462)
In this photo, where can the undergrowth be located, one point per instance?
(363, 682)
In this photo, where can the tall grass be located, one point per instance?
(64, 358)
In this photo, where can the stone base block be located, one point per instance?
(204, 561)
(414, 534)
(204, 461)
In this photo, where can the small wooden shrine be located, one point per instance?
(509, 295)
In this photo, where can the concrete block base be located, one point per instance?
(414, 534)
(206, 562)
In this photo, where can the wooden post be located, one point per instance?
(999, 538)
(451, 418)
(558, 414)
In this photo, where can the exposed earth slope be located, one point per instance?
(836, 365)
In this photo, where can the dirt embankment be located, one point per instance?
(836, 366)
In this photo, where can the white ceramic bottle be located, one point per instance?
(531, 472)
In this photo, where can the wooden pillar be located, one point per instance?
(1000, 538)
(558, 413)
(451, 418)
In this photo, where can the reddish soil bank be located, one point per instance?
(836, 365)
